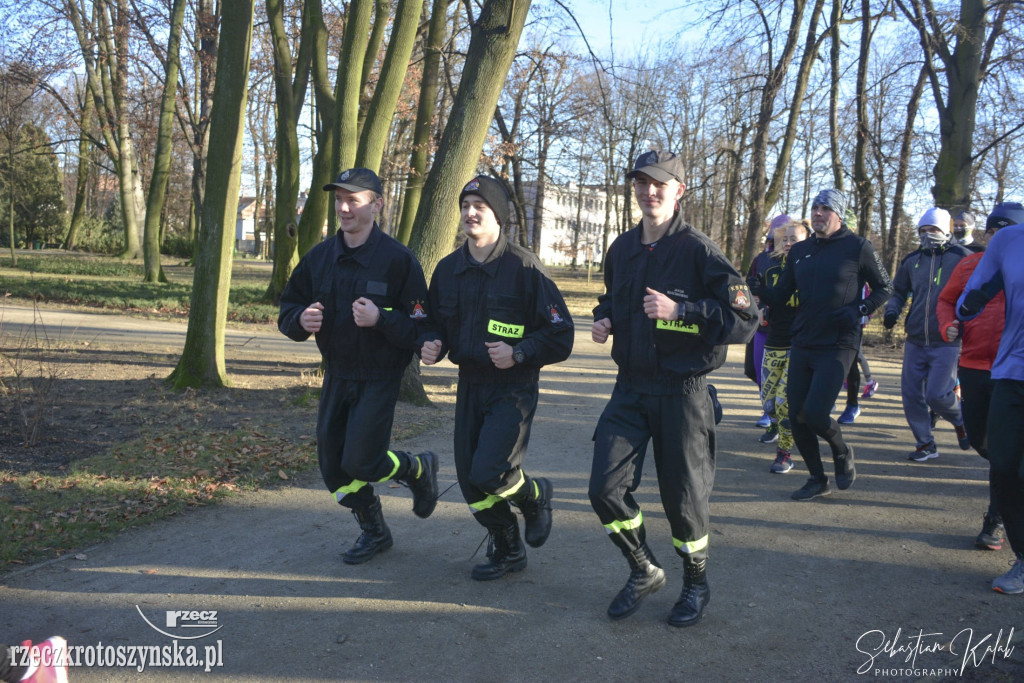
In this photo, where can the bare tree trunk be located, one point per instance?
(385, 96)
(861, 176)
(891, 251)
(350, 82)
(492, 46)
(289, 92)
(82, 173)
(833, 95)
(202, 359)
(164, 145)
(424, 117)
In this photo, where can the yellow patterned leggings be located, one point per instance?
(774, 371)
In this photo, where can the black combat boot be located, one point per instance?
(535, 502)
(505, 553)
(695, 596)
(422, 481)
(645, 577)
(376, 536)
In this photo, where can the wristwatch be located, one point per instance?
(863, 309)
(518, 356)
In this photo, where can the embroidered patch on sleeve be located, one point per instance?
(740, 296)
(417, 310)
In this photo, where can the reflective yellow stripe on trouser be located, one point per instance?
(490, 501)
(618, 527)
(356, 484)
(690, 547)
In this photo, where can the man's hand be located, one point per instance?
(600, 331)
(501, 354)
(953, 332)
(430, 351)
(312, 318)
(889, 321)
(365, 312)
(658, 306)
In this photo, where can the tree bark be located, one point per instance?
(164, 145)
(424, 117)
(350, 82)
(492, 46)
(392, 75)
(202, 359)
(81, 173)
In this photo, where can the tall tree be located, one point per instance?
(290, 92)
(81, 174)
(164, 147)
(425, 108)
(202, 359)
(959, 53)
(385, 95)
(493, 40)
(103, 41)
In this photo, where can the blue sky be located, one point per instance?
(633, 22)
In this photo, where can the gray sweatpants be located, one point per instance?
(928, 381)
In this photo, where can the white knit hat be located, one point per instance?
(937, 217)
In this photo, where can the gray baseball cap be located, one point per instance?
(356, 180)
(662, 166)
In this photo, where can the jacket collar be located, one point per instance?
(463, 262)
(676, 228)
(364, 256)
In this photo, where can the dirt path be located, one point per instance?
(800, 591)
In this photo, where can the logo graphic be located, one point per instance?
(740, 297)
(346, 175)
(555, 318)
(186, 621)
(473, 184)
(417, 311)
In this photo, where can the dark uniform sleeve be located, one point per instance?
(731, 316)
(604, 301)
(297, 297)
(551, 337)
(403, 325)
(434, 326)
(875, 275)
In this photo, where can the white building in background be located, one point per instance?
(564, 207)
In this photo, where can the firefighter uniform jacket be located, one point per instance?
(508, 298)
(829, 273)
(715, 309)
(382, 270)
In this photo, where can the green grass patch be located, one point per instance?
(99, 266)
(140, 481)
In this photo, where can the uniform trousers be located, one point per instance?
(353, 430)
(682, 428)
(492, 431)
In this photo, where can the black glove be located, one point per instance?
(972, 305)
(846, 318)
(890, 319)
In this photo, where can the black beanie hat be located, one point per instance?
(493, 193)
(1004, 214)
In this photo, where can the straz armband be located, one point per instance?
(677, 326)
(505, 329)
